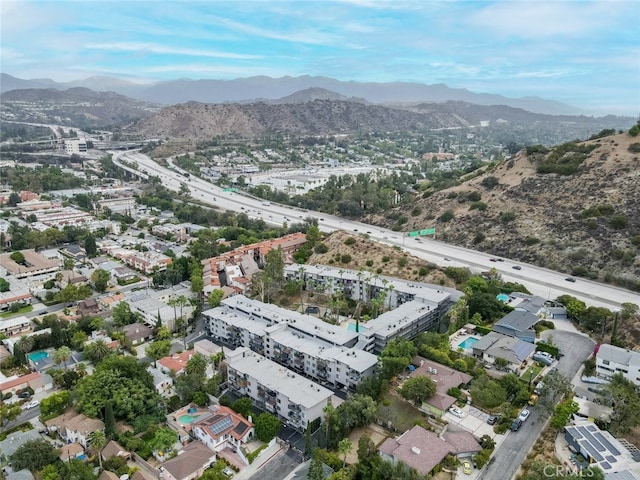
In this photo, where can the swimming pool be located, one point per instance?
(351, 326)
(186, 419)
(35, 357)
(468, 343)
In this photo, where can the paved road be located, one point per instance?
(540, 281)
(507, 459)
(278, 467)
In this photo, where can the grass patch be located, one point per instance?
(21, 310)
(398, 411)
(533, 370)
(253, 455)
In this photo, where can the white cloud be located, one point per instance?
(141, 47)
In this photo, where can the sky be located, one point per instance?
(580, 52)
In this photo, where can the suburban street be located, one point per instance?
(540, 281)
(507, 459)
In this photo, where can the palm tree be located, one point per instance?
(61, 355)
(25, 345)
(173, 302)
(344, 447)
(97, 351)
(98, 440)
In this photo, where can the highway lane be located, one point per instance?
(540, 281)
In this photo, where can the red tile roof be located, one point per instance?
(24, 379)
(176, 362)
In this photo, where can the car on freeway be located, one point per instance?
(32, 404)
(456, 411)
(570, 279)
(492, 420)
(517, 267)
(447, 259)
(493, 260)
(499, 259)
(524, 414)
(466, 467)
(515, 426)
(369, 231)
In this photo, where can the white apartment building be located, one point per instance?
(77, 146)
(302, 343)
(296, 400)
(412, 308)
(611, 360)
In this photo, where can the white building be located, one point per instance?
(611, 360)
(295, 399)
(77, 146)
(302, 343)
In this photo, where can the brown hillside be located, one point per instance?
(364, 250)
(548, 223)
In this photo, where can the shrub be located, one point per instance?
(619, 222)
(345, 258)
(416, 211)
(385, 259)
(447, 216)
(402, 262)
(350, 241)
(478, 206)
(635, 130)
(634, 148)
(479, 238)
(507, 217)
(423, 271)
(531, 240)
(474, 196)
(321, 248)
(490, 182)
(369, 263)
(379, 270)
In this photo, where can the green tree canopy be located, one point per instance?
(266, 426)
(418, 389)
(34, 455)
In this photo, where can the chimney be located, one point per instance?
(415, 450)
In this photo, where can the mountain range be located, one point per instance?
(251, 89)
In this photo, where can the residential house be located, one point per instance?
(511, 349)
(223, 428)
(107, 475)
(175, 363)
(70, 451)
(611, 360)
(190, 463)
(74, 427)
(444, 379)
(15, 325)
(14, 441)
(23, 474)
(519, 324)
(114, 449)
(138, 333)
(34, 380)
(88, 307)
(74, 251)
(18, 294)
(423, 450)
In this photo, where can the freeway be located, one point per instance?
(540, 281)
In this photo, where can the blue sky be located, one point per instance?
(584, 53)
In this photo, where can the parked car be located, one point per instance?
(32, 404)
(533, 399)
(457, 412)
(227, 472)
(24, 395)
(492, 420)
(570, 279)
(466, 467)
(524, 415)
(515, 426)
(543, 357)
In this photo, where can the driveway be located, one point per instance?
(508, 457)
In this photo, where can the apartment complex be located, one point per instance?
(411, 307)
(611, 360)
(296, 400)
(302, 343)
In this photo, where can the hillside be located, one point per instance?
(585, 223)
(198, 121)
(76, 107)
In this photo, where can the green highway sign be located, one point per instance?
(428, 231)
(414, 234)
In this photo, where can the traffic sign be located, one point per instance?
(414, 234)
(428, 231)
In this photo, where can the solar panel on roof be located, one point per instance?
(593, 453)
(600, 436)
(592, 428)
(605, 465)
(575, 432)
(240, 428)
(221, 426)
(611, 459)
(590, 438)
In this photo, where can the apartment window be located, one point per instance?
(279, 401)
(605, 362)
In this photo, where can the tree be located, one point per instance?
(14, 199)
(98, 440)
(157, 350)
(163, 440)
(624, 397)
(4, 285)
(313, 235)
(555, 387)
(17, 257)
(243, 406)
(274, 266)
(122, 315)
(357, 411)
(418, 389)
(266, 426)
(97, 351)
(55, 404)
(90, 245)
(315, 469)
(197, 365)
(397, 356)
(100, 279)
(61, 355)
(215, 297)
(344, 447)
(109, 420)
(34, 455)
(562, 413)
(8, 413)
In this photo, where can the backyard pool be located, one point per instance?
(352, 327)
(468, 343)
(186, 419)
(35, 357)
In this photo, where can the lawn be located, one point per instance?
(399, 412)
(21, 311)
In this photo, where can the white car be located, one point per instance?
(456, 411)
(32, 404)
(524, 415)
